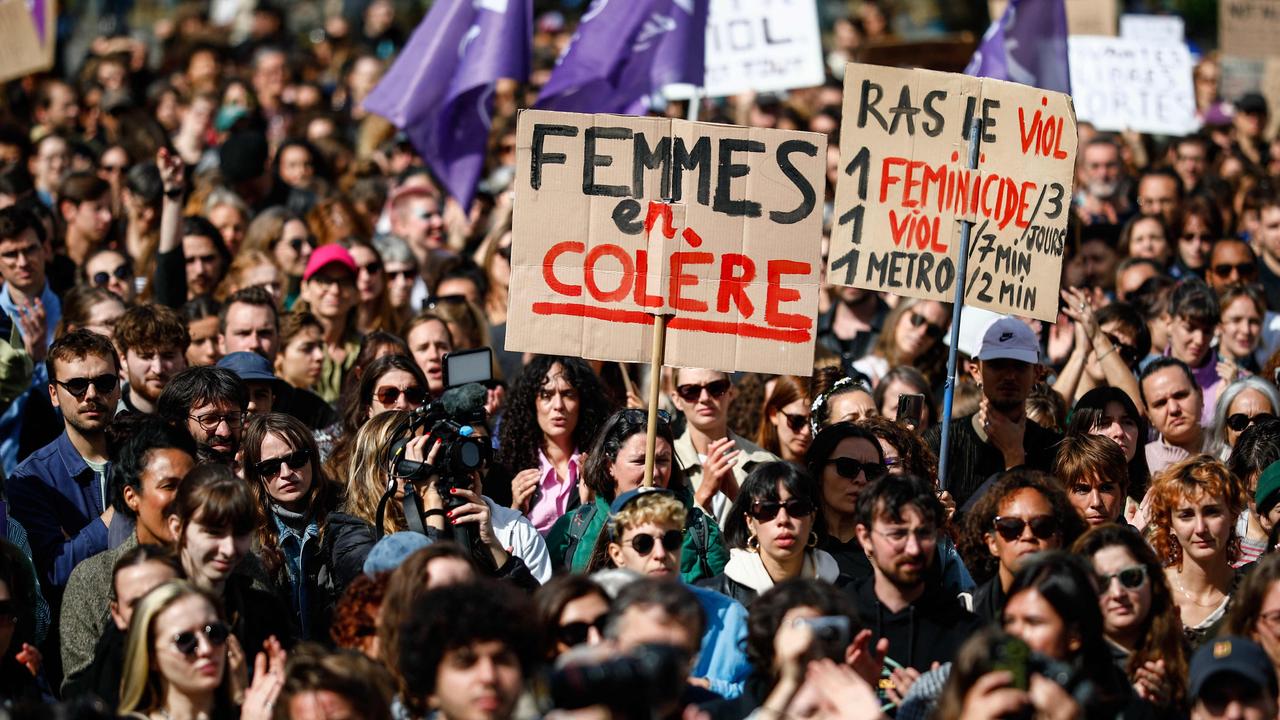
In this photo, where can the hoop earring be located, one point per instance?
(753, 544)
(813, 539)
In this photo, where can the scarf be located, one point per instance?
(748, 569)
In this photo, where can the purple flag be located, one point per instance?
(1027, 44)
(440, 90)
(625, 50)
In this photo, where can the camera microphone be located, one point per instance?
(465, 402)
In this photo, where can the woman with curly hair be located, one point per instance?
(1025, 512)
(1255, 613)
(1138, 613)
(904, 452)
(355, 619)
(305, 544)
(1194, 505)
(553, 412)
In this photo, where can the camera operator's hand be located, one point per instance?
(1052, 701)
(476, 510)
(992, 697)
(427, 491)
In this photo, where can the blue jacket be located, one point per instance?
(53, 493)
(723, 659)
(11, 419)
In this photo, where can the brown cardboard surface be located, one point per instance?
(730, 248)
(22, 50)
(1084, 17)
(1248, 28)
(904, 188)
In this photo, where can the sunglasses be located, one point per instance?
(766, 510)
(122, 272)
(577, 633)
(298, 243)
(1240, 422)
(296, 460)
(1131, 578)
(437, 300)
(402, 274)
(188, 641)
(1127, 352)
(850, 469)
(716, 390)
(372, 268)
(796, 422)
(79, 386)
(1246, 270)
(113, 169)
(389, 395)
(643, 543)
(1043, 527)
(934, 331)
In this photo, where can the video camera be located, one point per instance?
(451, 420)
(632, 685)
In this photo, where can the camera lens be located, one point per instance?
(469, 455)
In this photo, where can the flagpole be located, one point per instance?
(966, 228)
(655, 385)
(695, 100)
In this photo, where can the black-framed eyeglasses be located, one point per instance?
(715, 389)
(211, 422)
(1043, 527)
(933, 331)
(296, 460)
(78, 387)
(188, 641)
(796, 421)
(122, 272)
(437, 300)
(766, 510)
(643, 543)
(1239, 422)
(850, 469)
(1131, 578)
(577, 633)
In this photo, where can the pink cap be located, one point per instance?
(326, 255)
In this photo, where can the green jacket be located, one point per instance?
(702, 555)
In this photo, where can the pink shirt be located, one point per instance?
(553, 495)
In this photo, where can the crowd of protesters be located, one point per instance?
(229, 291)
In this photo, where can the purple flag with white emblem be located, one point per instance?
(1028, 45)
(624, 51)
(440, 90)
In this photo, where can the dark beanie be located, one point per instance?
(243, 156)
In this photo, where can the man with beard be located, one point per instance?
(998, 437)
(1104, 197)
(211, 403)
(154, 341)
(898, 520)
(59, 493)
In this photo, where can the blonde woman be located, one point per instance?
(175, 661)
(368, 475)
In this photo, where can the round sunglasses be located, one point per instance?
(187, 642)
(1131, 578)
(1240, 422)
(644, 543)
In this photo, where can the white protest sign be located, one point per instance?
(1153, 28)
(761, 46)
(1120, 84)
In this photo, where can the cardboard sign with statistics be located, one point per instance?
(904, 187)
(618, 218)
(26, 37)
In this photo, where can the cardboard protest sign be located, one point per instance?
(617, 218)
(905, 185)
(1084, 17)
(26, 37)
(760, 46)
(1248, 28)
(1121, 84)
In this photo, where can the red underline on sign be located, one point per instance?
(637, 317)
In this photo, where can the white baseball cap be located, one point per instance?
(1010, 339)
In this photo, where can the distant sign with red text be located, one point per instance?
(619, 218)
(904, 186)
